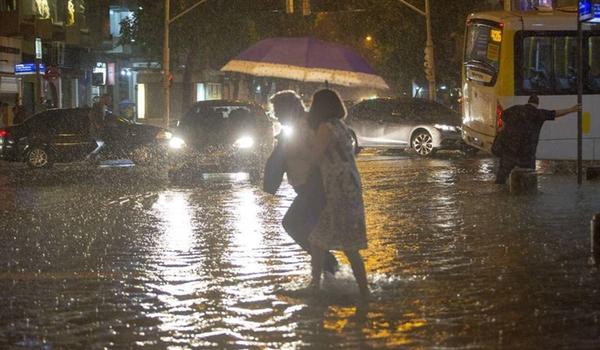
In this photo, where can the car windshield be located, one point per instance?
(223, 117)
(117, 120)
(124, 120)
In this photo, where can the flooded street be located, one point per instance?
(120, 258)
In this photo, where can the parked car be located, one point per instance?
(62, 135)
(406, 123)
(222, 136)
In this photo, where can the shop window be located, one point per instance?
(213, 91)
(45, 9)
(116, 17)
(8, 5)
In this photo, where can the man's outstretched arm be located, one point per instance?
(563, 112)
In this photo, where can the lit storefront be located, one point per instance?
(10, 84)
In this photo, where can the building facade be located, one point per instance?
(49, 58)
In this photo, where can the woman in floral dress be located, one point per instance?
(341, 224)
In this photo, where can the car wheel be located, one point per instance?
(38, 158)
(422, 143)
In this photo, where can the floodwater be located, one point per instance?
(119, 258)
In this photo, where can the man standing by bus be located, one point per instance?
(520, 134)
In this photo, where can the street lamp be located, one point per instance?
(166, 56)
(429, 60)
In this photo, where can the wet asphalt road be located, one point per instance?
(121, 258)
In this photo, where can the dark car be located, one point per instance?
(406, 123)
(62, 135)
(222, 136)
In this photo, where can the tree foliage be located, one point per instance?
(218, 30)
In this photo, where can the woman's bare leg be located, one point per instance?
(317, 256)
(358, 269)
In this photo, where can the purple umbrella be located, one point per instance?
(306, 59)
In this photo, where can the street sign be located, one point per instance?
(28, 68)
(596, 18)
(589, 11)
(585, 10)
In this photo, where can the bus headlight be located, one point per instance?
(244, 142)
(176, 142)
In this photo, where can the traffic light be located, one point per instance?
(289, 6)
(306, 8)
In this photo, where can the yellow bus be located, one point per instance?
(510, 55)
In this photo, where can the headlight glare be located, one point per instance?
(287, 130)
(164, 135)
(244, 142)
(176, 142)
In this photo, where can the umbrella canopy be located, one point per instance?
(306, 59)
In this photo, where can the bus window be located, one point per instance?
(565, 64)
(536, 67)
(548, 65)
(593, 74)
(482, 51)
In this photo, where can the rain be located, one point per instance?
(167, 239)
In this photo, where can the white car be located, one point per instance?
(406, 123)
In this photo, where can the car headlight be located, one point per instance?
(287, 130)
(444, 127)
(244, 142)
(164, 135)
(176, 142)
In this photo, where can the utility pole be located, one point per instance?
(429, 63)
(579, 98)
(166, 66)
(39, 105)
(166, 57)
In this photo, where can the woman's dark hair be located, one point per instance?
(287, 99)
(326, 105)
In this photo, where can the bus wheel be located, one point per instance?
(422, 143)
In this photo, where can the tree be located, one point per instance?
(219, 30)
(203, 38)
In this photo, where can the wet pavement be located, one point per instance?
(120, 258)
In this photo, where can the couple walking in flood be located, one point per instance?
(316, 151)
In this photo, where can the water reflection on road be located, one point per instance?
(125, 259)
